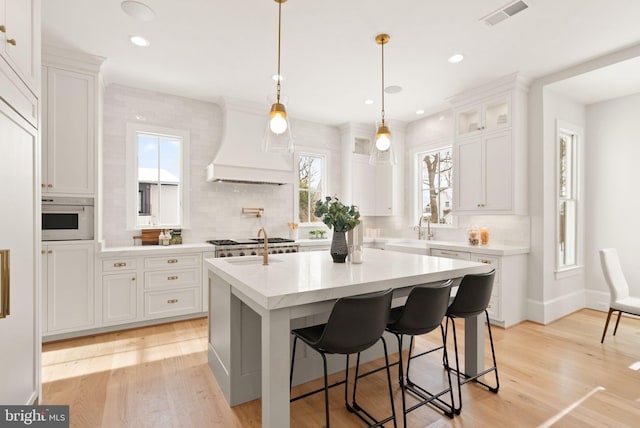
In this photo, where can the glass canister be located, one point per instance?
(484, 236)
(355, 239)
(474, 235)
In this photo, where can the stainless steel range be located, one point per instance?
(252, 246)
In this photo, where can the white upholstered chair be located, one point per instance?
(621, 301)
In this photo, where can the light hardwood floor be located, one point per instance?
(556, 375)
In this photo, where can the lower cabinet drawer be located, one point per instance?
(172, 262)
(119, 265)
(178, 278)
(158, 304)
(462, 255)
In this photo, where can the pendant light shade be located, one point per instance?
(382, 150)
(277, 135)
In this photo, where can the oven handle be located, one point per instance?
(63, 208)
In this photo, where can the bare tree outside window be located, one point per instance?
(436, 194)
(310, 181)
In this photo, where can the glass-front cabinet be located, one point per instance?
(488, 116)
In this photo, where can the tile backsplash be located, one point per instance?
(216, 208)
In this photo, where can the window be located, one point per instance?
(435, 187)
(157, 163)
(567, 190)
(311, 187)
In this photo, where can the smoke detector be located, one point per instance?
(505, 12)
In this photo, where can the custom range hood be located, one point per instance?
(240, 158)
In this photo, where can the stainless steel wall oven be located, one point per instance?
(67, 218)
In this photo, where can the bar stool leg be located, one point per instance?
(293, 359)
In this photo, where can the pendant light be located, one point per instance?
(382, 150)
(277, 136)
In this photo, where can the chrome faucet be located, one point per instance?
(265, 255)
(426, 217)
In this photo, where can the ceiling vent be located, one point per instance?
(505, 12)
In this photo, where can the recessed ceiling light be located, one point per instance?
(139, 41)
(454, 59)
(368, 102)
(419, 111)
(138, 10)
(441, 118)
(277, 77)
(393, 89)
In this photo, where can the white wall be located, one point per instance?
(614, 201)
(550, 295)
(215, 207)
(549, 299)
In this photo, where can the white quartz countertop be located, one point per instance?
(155, 249)
(300, 278)
(493, 249)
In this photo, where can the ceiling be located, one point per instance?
(205, 49)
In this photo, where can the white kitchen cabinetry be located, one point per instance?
(484, 173)
(507, 305)
(69, 137)
(19, 357)
(486, 116)
(68, 286)
(20, 32)
(376, 190)
(140, 288)
(19, 243)
(490, 148)
(119, 291)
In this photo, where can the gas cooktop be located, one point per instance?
(223, 242)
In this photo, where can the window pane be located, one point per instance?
(435, 185)
(169, 160)
(566, 166)
(567, 234)
(310, 185)
(159, 179)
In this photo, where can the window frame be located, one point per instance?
(132, 189)
(577, 136)
(312, 152)
(416, 188)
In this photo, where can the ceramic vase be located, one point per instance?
(339, 249)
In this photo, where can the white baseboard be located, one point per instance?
(553, 309)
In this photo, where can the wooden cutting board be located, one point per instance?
(150, 236)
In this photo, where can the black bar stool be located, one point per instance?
(471, 300)
(422, 313)
(355, 324)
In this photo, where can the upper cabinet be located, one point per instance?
(20, 33)
(376, 190)
(490, 149)
(70, 116)
(485, 116)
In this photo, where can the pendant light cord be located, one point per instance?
(279, 77)
(382, 45)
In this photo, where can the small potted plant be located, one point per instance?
(341, 218)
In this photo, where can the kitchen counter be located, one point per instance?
(253, 307)
(154, 249)
(491, 249)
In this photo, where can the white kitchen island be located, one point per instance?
(252, 308)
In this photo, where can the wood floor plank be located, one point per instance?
(158, 376)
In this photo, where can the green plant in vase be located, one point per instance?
(341, 218)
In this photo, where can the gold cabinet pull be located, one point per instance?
(446, 253)
(119, 264)
(172, 301)
(50, 252)
(12, 42)
(3, 29)
(486, 262)
(172, 278)
(5, 275)
(133, 279)
(172, 261)
(49, 186)
(43, 252)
